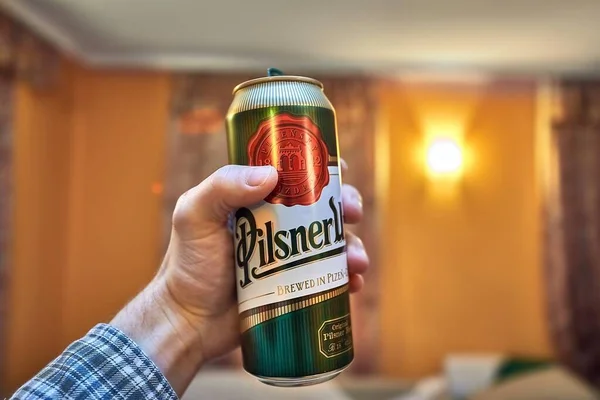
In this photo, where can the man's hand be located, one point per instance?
(188, 314)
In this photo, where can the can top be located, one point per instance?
(273, 75)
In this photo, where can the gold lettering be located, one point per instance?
(299, 286)
(334, 277)
(333, 335)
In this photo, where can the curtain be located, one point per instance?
(572, 248)
(197, 146)
(26, 57)
(5, 197)
(23, 57)
(197, 142)
(354, 100)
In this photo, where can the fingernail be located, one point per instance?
(360, 244)
(365, 254)
(358, 198)
(258, 175)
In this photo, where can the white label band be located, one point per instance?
(283, 253)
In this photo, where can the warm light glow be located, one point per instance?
(444, 156)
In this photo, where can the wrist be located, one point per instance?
(155, 322)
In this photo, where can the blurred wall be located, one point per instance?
(119, 128)
(462, 270)
(89, 162)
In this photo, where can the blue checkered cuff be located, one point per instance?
(104, 364)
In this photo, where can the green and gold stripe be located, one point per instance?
(258, 315)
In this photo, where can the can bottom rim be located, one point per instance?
(301, 381)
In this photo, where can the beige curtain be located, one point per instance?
(573, 228)
(197, 145)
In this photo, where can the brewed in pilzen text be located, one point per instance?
(281, 245)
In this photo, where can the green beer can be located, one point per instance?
(290, 250)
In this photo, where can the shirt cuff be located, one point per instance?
(105, 363)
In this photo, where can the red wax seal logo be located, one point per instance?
(294, 145)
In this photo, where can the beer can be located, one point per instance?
(290, 250)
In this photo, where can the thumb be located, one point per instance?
(226, 190)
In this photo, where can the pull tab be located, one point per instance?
(274, 72)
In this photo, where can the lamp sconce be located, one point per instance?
(444, 158)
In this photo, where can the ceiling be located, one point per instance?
(389, 36)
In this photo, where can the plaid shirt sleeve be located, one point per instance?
(104, 364)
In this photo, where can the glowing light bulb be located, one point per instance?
(444, 156)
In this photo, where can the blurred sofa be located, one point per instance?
(554, 383)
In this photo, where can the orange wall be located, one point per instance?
(120, 121)
(87, 226)
(463, 273)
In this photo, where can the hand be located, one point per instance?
(191, 306)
